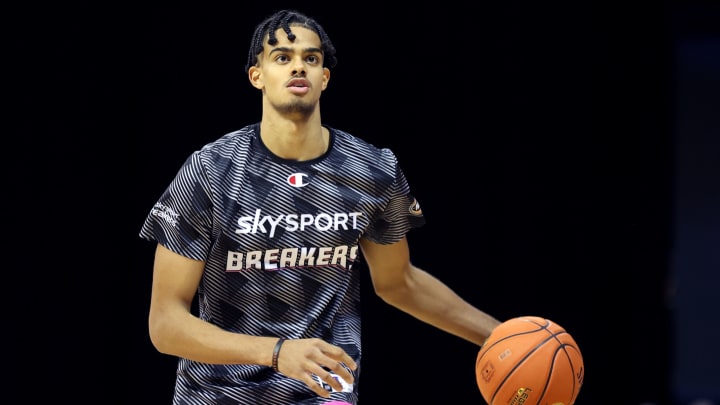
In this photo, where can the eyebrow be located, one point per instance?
(288, 49)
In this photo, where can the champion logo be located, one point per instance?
(298, 180)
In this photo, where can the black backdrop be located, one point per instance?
(536, 136)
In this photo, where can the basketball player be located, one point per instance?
(267, 225)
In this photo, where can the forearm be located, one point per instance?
(429, 300)
(184, 335)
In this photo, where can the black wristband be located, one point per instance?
(276, 352)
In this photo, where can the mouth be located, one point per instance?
(298, 83)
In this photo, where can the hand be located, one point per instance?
(304, 358)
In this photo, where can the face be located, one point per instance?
(291, 74)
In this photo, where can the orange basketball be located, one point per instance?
(529, 361)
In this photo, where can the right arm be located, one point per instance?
(174, 330)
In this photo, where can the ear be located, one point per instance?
(255, 77)
(326, 78)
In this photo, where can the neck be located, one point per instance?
(295, 139)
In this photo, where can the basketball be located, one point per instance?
(529, 360)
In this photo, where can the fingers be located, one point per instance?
(320, 389)
(341, 368)
(339, 355)
(323, 367)
(338, 376)
(325, 382)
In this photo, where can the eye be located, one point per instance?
(281, 58)
(312, 59)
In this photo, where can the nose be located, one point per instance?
(299, 66)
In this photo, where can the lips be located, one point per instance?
(298, 83)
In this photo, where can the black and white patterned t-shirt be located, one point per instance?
(280, 243)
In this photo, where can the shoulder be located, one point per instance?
(231, 142)
(220, 155)
(358, 148)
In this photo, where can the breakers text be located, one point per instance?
(273, 259)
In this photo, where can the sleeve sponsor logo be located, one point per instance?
(165, 213)
(414, 208)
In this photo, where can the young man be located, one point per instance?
(267, 224)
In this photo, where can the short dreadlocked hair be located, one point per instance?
(285, 19)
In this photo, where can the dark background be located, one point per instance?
(565, 157)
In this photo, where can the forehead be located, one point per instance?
(304, 38)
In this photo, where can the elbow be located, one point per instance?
(158, 334)
(396, 290)
(392, 294)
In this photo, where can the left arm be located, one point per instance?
(416, 292)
